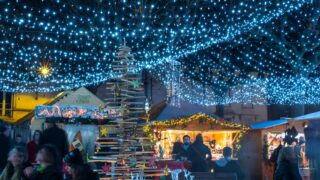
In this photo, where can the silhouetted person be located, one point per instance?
(227, 165)
(274, 157)
(57, 137)
(186, 146)
(200, 155)
(33, 146)
(18, 141)
(4, 146)
(181, 150)
(288, 162)
(176, 150)
(77, 169)
(48, 164)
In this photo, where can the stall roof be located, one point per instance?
(268, 124)
(311, 116)
(185, 109)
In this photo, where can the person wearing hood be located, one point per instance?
(227, 165)
(200, 155)
(77, 169)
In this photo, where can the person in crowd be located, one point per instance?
(227, 165)
(200, 155)
(288, 162)
(181, 150)
(77, 169)
(48, 164)
(186, 146)
(18, 141)
(33, 146)
(17, 162)
(176, 150)
(274, 157)
(57, 137)
(4, 146)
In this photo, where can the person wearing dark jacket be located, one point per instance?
(274, 157)
(48, 168)
(200, 155)
(57, 137)
(288, 168)
(4, 146)
(227, 165)
(77, 169)
(18, 141)
(181, 150)
(176, 150)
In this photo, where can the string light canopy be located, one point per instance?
(277, 62)
(216, 42)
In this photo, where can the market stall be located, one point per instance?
(263, 139)
(216, 133)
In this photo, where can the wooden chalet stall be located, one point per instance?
(260, 142)
(216, 133)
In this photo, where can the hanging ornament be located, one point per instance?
(98, 147)
(173, 84)
(147, 105)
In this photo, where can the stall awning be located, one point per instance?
(311, 116)
(268, 124)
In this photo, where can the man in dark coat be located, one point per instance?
(186, 146)
(227, 165)
(57, 137)
(288, 161)
(200, 155)
(181, 150)
(4, 146)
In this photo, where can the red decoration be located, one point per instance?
(152, 162)
(106, 168)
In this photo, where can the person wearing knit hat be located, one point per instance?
(77, 169)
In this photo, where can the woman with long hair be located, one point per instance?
(17, 159)
(33, 146)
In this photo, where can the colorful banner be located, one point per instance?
(90, 112)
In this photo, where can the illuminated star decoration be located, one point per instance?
(45, 71)
(135, 83)
(143, 166)
(103, 131)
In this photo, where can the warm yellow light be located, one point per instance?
(44, 71)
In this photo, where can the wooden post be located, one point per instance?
(3, 104)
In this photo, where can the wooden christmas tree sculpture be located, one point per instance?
(122, 142)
